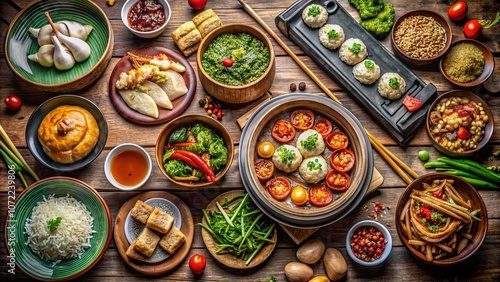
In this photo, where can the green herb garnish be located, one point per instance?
(314, 11)
(355, 48)
(286, 155)
(314, 165)
(333, 34)
(369, 64)
(310, 142)
(54, 223)
(393, 83)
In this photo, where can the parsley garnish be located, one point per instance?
(369, 64)
(333, 34)
(314, 11)
(310, 142)
(286, 155)
(355, 48)
(393, 82)
(54, 223)
(314, 165)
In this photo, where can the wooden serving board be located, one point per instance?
(298, 235)
(172, 261)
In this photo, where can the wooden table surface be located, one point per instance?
(483, 266)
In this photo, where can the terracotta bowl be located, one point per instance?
(189, 121)
(488, 130)
(489, 64)
(236, 94)
(258, 130)
(19, 44)
(421, 61)
(479, 228)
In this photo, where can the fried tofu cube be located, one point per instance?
(160, 221)
(146, 242)
(141, 211)
(171, 241)
(134, 254)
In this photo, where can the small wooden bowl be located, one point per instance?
(422, 61)
(488, 130)
(189, 121)
(236, 94)
(18, 45)
(489, 64)
(478, 230)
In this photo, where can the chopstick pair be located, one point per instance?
(397, 165)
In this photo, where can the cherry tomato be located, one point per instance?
(283, 131)
(264, 169)
(412, 103)
(323, 127)
(279, 187)
(302, 119)
(463, 133)
(337, 180)
(197, 263)
(265, 150)
(299, 195)
(472, 29)
(320, 195)
(457, 11)
(337, 140)
(197, 4)
(342, 160)
(13, 102)
(227, 62)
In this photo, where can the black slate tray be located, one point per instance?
(391, 114)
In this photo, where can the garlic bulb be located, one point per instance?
(63, 59)
(44, 56)
(79, 48)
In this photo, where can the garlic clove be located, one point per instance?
(79, 48)
(43, 34)
(63, 59)
(77, 30)
(44, 56)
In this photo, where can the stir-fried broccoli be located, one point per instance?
(380, 26)
(368, 8)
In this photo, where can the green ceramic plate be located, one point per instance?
(19, 43)
(15, 238)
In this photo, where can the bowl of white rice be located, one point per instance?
(60, 227)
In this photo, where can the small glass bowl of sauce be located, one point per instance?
(146, 18)
(128, 166)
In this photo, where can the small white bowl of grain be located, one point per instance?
(467, 63)
(421, 37)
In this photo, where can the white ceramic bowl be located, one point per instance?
(380, 227)
(117, 150)
(145, 34)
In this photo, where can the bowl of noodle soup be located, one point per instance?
(446, 216)
(60, 228)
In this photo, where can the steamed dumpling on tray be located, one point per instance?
(174, 86)
(139, 101)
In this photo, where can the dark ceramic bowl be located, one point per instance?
(488, 130)
(39, 113)
(478, 230)
(421, 61)
(489, 64)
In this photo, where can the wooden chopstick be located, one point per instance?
(396, 164)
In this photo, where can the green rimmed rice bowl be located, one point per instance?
(19, 43)
(15, 237)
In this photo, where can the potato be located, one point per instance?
(311, 251)
(335, 265)
(321, 278)
(298, 272)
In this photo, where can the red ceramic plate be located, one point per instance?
(179, 104)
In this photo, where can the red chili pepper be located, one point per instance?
(180, 144)
(425, 212)
(195, 161)
(438, 193)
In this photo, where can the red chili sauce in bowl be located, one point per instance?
(368, 243)
(146, 15)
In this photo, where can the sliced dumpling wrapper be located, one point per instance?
(174, 86)
(141, 102)
(157, 93)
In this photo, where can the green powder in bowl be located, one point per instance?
(464, 62)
